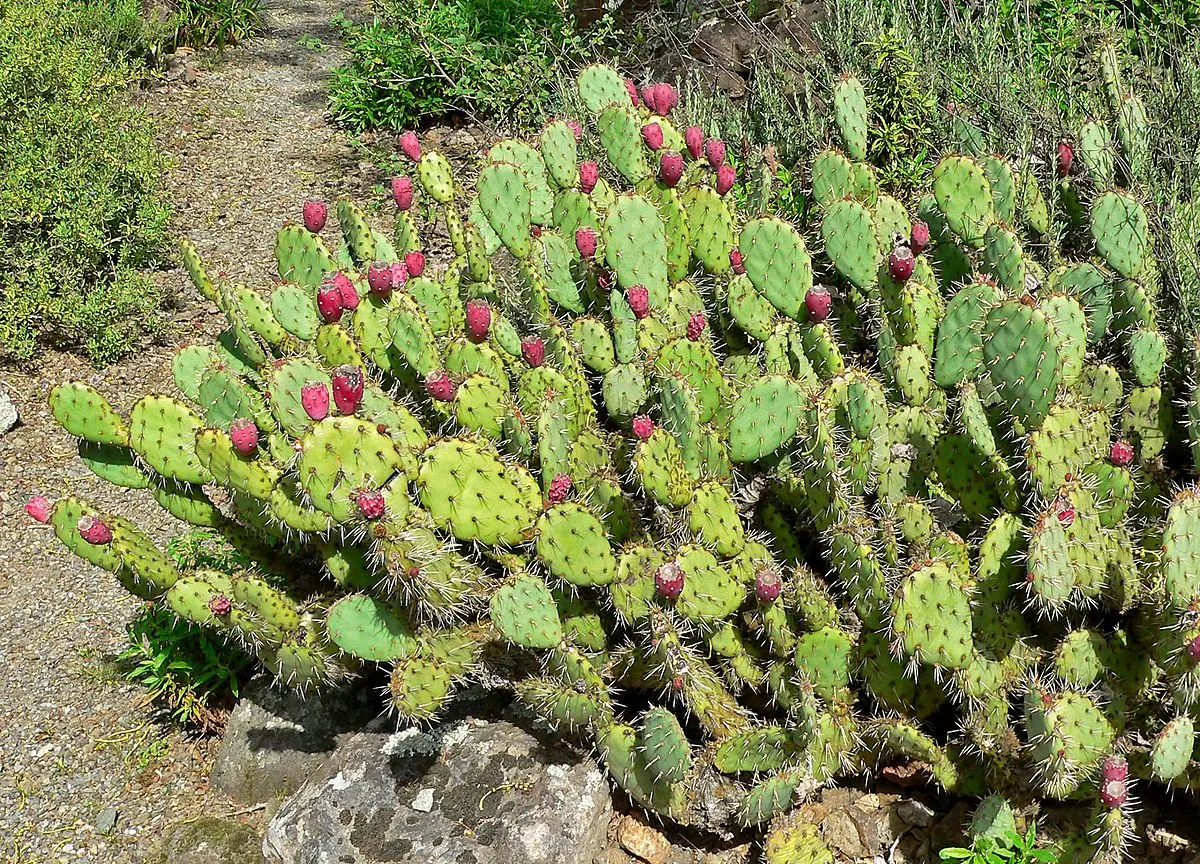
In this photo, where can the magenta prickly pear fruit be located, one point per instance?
(533, 350)
(726, 177)
(818, 301)
(39, 509)
(660, 98)
(329, 302)
(589, 174)
(1114, 793)
(379, 278)
(714, 152)
(94, 531)
(639, 300)
(348, 388)
(411, 146)
(1066, 155)
(576, 128)
(668, 579)
(414, 263)
(440, 386)
(560, 487)
(314, 396)
(371, 504)
(643, 426)
(670, 168)
(1193, 649)
(220, 605)
(585, 242)
(631, 89)
(347, 291)
(399, 274)
(652, 134)
(767, 584)
(696, 326)
(735, 261)
(693, 139)
(1121, 453)
(315, 214)
(1064, 511)
(901, 263)
(535, 230)
(402, 192)
(1114, 768)
(243, 433)
(918, 239)
(479, 319)
(604, 279)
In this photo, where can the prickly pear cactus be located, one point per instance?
(799, 487)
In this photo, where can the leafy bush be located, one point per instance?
(423, 60)
(215, 23)
(81, 205)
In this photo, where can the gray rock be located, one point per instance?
(501, 796)
(106, 820)
(276, 739)
(8, 413)
(208, 841)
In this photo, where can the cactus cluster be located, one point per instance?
(760, 504)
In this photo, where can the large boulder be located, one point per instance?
(275, 739)
(470, 792)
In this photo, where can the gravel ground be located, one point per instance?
(250, 143)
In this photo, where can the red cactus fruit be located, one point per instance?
(726, 177)
(918, 239)
(399, 274)
(631, 89)
(901, 263)
(1193, 649)
(818, 301)
(411, 146)
(220, 605)
(696, 326)
(652, 134)
(670, 168)
(402, 192)
(39, 509)
(1066, 155)
(1114, 768)
(243, 433)
(1114, 793)
(440, 386)
(589, 175)
(576, 129)
(668, 579)
(314, 396)
(660, 98)
(643, 427)
(560, 487)
(348, 385)
(479, 319)
(767, 584)
(329, 302)
(93, 530)
(639, 300)
(735, 261)
(1121, 453)
(346, 289)
(533, 350)
(371, 504)
(585, 241)
(714, 152)
(379, 278)
(315, 214)
(414, 263)
(693, 139)
(1064, 511)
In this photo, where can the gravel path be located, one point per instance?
(250, 144)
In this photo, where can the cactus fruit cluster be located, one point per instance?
(761, 504)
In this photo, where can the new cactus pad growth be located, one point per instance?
(743, 545)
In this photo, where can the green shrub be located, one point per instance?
(81, 206)
(424, 60)
(215, 23)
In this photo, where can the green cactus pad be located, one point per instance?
(850, 114)
(505, 200)
(86, 414)
(1022, 360)
(849, 234)
(765, 416)
(1172, 750)
(523, 611)
(366, 628)
(777, 263)
(931, 617)
(634, 240)
(162, 431)
(1121, 234)
(573, 545)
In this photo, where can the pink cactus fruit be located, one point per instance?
(631, 89)
(535, 230)
(604, 279)
(643, 427)
(402, 192)
(220, 605)
(696, 326)
(660, 98)
(693, 139)
(1114, 793)
(379, 278)
(1114, 768)
(39, 509)
(726, 177)
(767, 584)
(589, 175)
(243, 433)
(533, 350)
(314, 396)
(670, 168)
(818, 301)
(371, 504)
(329, 302)
(316, 212)
(668, 579)
(346, 289)
(479, 319)
(348, 386)
(1064, 511)
(1193, 649)
(411, 146)
(1121, 453)
(901, 263)
(93, 530)
(585, 241)
(560, 487)
(919, 237)
(639, 300)
(714, 152)
(576, 129)
(414, 263)
(399, 274)
(652, 134)
(1066, 156)
(440, 386)
(735, 261)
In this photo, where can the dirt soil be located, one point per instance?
(249, 141)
